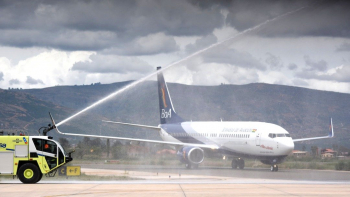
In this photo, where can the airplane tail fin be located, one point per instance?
(167, 111)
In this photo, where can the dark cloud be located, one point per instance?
(201, 43)
(32, 81)
(292, 66)
(14, 81)
(207, 4)
(233, 57)
(117, 25)
(113, 64)
(318, 18)
(1, 76)
(96, 25)
(274, 62)
(315, 65)
(344, 47)
(148, 45)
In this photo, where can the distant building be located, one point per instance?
(328, 153)
(299, 153)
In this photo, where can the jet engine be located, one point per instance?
(191, 155)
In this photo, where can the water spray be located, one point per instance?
(177, 62)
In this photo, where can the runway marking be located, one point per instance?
(279, 190)
(182, 190)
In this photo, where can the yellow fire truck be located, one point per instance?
(29, 157)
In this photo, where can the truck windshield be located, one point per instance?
(59, 145)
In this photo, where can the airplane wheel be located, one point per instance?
(274, 168)
(234, 164)
(241, 164)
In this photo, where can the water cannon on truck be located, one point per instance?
(31, 157)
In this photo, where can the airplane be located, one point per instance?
(266, 142)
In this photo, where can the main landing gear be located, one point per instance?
(237, 162)
(189, 166)
(274, 168)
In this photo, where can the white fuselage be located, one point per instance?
(248, 138)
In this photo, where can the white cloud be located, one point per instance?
(211, 74)
(313, 65)
(33, 81)
(148, 45)
(14, 82)
(329, 85)
(274, 62)
(113, 64)
(49, 68)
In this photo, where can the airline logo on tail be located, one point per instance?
(166, 114)
(163, 96)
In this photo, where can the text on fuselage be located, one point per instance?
(238, 130)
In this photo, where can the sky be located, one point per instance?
(47, 43)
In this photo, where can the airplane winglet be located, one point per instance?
(331, 131)
(330, 134)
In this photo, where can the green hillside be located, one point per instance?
(303, 112)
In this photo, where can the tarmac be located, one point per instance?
(154, 181)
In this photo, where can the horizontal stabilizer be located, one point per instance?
(135, 125)
(330, 135)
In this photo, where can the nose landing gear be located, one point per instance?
(238, 162)
(274, 168)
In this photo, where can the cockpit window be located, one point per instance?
(272, 135)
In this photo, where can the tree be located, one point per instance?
(95, 142)
(108, 145)
(335, 148)
(304, 148)
(314, 150)
(64, 142)
(86, 141)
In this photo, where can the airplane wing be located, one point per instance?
(135, 125)
(131, 139)
(141, 140)
(330, 135)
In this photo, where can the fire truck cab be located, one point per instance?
(29, 157)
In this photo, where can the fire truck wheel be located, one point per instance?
(28, 173)
(40, 176)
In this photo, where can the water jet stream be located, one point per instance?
(177, 62)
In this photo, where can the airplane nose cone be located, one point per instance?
(288, 146)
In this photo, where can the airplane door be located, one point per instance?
(257, 139)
